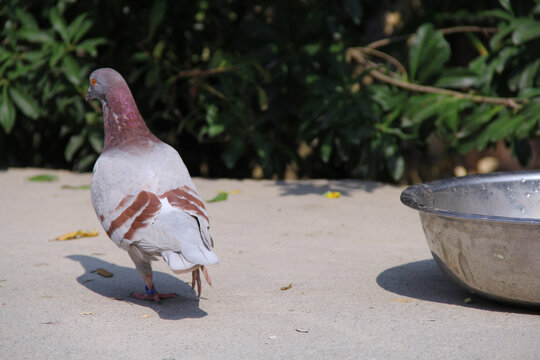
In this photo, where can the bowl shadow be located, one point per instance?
(425, 281)
(300, 187)
(126, 280)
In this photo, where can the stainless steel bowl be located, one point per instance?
(484, 232)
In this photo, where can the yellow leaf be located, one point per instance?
(77, 235)
(103, 272)
(287, 287)
(332, 194)
(145, 316)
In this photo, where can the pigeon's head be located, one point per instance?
(101, 80)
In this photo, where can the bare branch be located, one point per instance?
(446, 31)
(357, 55)
(200, 73)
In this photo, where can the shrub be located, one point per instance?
(273, 88)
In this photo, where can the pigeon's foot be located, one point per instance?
(151, 294)
(196, 279)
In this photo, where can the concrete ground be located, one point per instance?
(364, 285)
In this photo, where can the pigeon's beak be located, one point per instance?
(89, 94)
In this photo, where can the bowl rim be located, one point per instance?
(410, 195)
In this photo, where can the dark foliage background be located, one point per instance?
(276, 88)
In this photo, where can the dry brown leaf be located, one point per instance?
(86, 313)
(77, 235)
(287, 287)
(103, 272)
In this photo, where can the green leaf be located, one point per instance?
(524, 78)
(326, 148)
(90, 45)
(428, 53)
(503, 127)
(221, 196)
(7, 111)
(24, 102)
(478, 119)
(506, 4)
(457, 78)
(35, 36)
(528, 93)
(58, 24)
(71, 70)
(27, 20)
(263, 100)
(58, 50)
(526, 30)
(74, 144)
(96, 141)
(394, 162)
(156, 16)
(215, 129)
(211, 114)
(421, 108)
(43, 177)
(76, 187)
(496, 39)
(86, 162)
(78, 28)
(234, 150)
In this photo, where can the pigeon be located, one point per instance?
(143, 194)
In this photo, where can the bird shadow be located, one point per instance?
(300, 187)
(125, 280)
(425, 281)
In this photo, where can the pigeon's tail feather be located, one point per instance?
(179, 264)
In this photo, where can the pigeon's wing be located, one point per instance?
(172, 223)
(157, 226)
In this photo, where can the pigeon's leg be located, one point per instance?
(144, 267)
(196, 279)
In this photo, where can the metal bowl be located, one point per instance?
(484, 232)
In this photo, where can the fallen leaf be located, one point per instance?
(287, 287)
(304, 331)
(221, 196)
(43, 177)
(468, 300)
(103, 272)
(145, 316)
(77, 235)
(76, 187)
(332, 194)
(86, 313)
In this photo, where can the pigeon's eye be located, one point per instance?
(93, 81)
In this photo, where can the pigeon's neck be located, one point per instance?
(124, 125)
